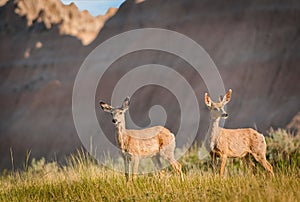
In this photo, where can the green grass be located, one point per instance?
(83, 180)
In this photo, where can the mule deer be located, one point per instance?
(232, 143)
(136, 144)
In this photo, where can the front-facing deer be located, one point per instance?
(232, 143)
(136, 144)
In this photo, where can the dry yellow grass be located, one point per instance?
(83, 180)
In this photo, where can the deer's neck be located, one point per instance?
(213, 132)
(214, 127)
(121, 128)
(121, 135)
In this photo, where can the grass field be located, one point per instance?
(83, 180)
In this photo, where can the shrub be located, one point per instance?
(283, 148)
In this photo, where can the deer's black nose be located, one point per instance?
(114, 121)
(225, 115)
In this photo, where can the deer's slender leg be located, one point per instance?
(223, 162)
(177, 166)
(263, 161)
(213, 160)
(156, 161)
(168, 154)
(268, 166)
(248, 163)
(135, 166)
(126, 166)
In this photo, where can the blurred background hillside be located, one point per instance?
(255, 45)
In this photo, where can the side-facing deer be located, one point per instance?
(136, 144)
(232, 143)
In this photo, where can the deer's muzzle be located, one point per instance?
(225, 115)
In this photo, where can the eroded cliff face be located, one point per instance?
(254, 44)
(38, 66)
(71, 21)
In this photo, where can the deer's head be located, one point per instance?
(217, 108)
(118, 113)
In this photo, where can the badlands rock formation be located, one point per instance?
(71, 21)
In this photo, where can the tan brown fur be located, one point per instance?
(232, 143)
(136, 144)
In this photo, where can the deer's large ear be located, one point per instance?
(207, 100)
(105, 107)
(227, 97)
(126, 103)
